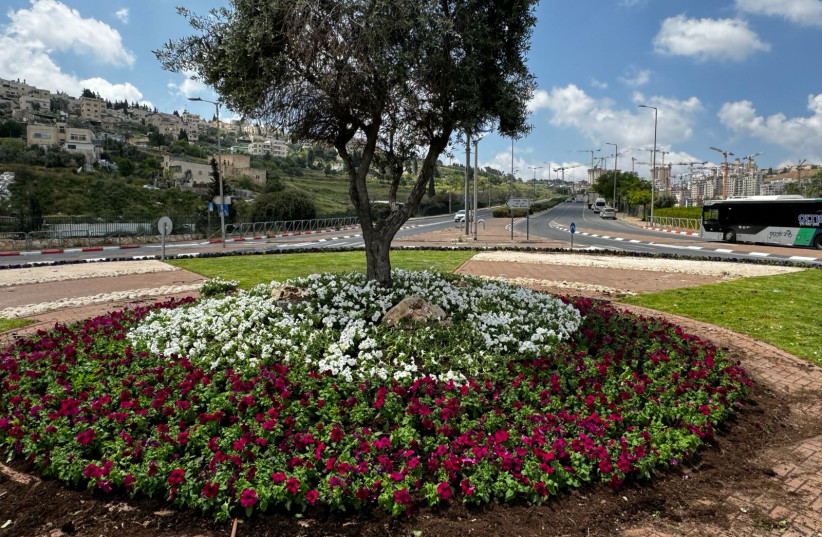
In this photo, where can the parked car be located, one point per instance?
(607, 212)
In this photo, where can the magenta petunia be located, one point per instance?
(444, 490)
(278, 477)
(312, 496)
(210, 490)
(293, 485)
(86, 437)
(248, 498)
(177, 476)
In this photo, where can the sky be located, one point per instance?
(744, 76)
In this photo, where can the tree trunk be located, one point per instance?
(378, 264)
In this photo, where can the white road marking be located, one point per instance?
(724, 251)
(801, 258)
(759, 254)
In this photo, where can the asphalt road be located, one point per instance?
(592, 232)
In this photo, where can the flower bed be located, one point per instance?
(235, 402)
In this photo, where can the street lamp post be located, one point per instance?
(653, 163)
(535, 168)
(219, 166)
(616, 155)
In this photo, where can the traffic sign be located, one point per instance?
(573, 228)
(519, 203)
(164, 226)
(227, 200)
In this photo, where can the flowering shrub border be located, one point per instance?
(623, 396)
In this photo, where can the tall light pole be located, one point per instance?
(616, 155)
(219, 165)
(535, 168)
(653, 163)
(476, 179)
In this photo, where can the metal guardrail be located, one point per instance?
(91, 234)
(682, 224)
(292, 226)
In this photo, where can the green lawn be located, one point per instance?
(11, 324)
(781, 310)
(254, 269)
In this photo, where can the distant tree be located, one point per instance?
(125, 166)
(183, 135)
(382, 81)
(282, 206)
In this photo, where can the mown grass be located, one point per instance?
(11, 324)
(251, 270)
(782, 310)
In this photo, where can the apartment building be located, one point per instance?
(197, 175)
(275, 148)
(75, 140)
(92, 109)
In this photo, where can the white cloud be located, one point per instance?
(122, 14)
(29, 41)
(708, 39)
(802, 12)
(801, 136)
(635, 77)
(52, 26)
(600, 121)
(599, 85)
(189, 87)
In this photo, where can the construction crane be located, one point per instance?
(750, 158)
(725, 170)
(592, 151)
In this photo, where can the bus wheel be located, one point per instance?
(730, 236)
(817, 241)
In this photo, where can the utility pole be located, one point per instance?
(799, 176)
(467, 167)
(616, 155)
(535, 168)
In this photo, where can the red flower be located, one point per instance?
(86, 437)
(278, 477)
(311, 496)
(210, 490)
(402, 496)
(293, 485)
(128, 481)
(540, 488)
(248, 498)
(501, 436)
(444, 490)
(177, 476)
(466, 487)
(336, 435)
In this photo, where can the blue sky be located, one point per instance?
(741, 75)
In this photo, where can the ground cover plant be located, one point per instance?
(780, 310)
(239, 402)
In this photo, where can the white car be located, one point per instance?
(460, 216)
(607, 212)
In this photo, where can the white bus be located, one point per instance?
(779, 220)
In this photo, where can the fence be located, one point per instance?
(293, 226)
(71, 231)
(681, 224)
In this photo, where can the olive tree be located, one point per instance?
(384, 82)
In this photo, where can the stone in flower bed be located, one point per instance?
(233, 403)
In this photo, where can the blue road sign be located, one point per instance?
(573, 228)
(210, 206)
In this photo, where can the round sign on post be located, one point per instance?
(573, 228)
(164, 226)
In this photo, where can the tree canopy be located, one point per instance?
(381, 81)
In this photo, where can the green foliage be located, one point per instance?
(11, 129)
(283, 205)
(125, 166)
(679, 212)
(218, 286)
